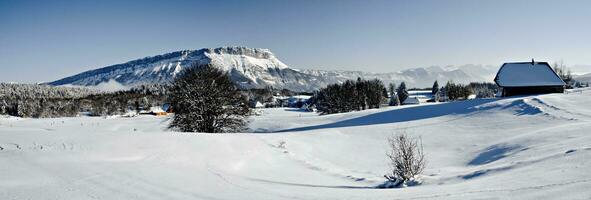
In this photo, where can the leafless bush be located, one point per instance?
(407, 160)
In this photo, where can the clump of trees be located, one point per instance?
(484, 90)
(350, 96)
(120, 102)
(206, 100)
(455, 91)
(406, 159)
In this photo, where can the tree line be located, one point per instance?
(42, 101)
(366, 94)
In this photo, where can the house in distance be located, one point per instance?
(522, 78)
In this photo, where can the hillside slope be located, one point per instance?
(535, 147)
(585, 78)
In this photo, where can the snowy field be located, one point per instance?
(536, 147)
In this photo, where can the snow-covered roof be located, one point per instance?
(523, 74)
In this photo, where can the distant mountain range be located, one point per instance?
(258, 68)
(416, 77)
(584, 78)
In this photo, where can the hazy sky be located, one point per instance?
(48, 40)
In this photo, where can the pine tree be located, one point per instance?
(361, 88)
(435, 91)
(374, 93)
(450, 90)
(402, 93)
(435, 88)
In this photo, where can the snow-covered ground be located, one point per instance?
(536, 147)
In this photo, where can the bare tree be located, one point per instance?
(564, 73)
(204, 99)
(407, 159)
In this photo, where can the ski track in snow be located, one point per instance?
(328, 171)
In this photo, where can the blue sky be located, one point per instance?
(48, 40)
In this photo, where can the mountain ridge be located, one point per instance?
(258, 68)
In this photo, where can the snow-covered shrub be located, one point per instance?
(204, 99)
(407, 160)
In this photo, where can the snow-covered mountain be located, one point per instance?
(257, 68)
(248, 67)
(416, 77)
(585, 78)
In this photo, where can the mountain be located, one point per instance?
(584, 78)
(248, 67)
(258, 68)
(580, 69)
(416, 77)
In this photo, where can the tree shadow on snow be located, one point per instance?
(519, 106)
(406, 114)
(480, 173)
(494, 153)
(311, 185)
